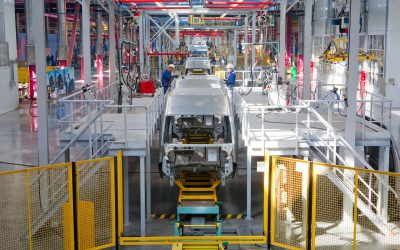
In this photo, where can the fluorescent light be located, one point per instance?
(223, 15)
(159, 4)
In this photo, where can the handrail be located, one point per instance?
(350, 148)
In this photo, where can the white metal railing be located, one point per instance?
(243, 76)
(72, 108)
(325, 138)
(95, 127)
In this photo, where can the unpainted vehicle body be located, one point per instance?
(197, 66)
(198, 50)
(197, 130)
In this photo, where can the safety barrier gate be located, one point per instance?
(318, 206)
(63, 206)
(306, 205)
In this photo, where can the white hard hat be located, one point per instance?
(171, 66)
(229, 66)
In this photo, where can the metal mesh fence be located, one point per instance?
(289, 202)
(332, 223)
(49, 191)
(31, 203)
(96, 203)
(384, 233)
(14, 221)
(352, 208)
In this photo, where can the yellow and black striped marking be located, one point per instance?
(166, 216)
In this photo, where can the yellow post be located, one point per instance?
(273, 166)
(112, 200)
(120, 195)
(266, 183)
(86, 227)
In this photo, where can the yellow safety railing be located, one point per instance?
(307, 205)
(62, 206)
(24, 202)
(315, 207)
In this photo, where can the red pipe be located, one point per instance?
(32, 82)
(254, 7)
(239, 3)
(164, 8)
(152, 1)
(68, 17)
(168, 54)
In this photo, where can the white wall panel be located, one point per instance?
(9, 94)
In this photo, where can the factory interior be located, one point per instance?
(199, 124)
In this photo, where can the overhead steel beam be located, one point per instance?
(199, 11)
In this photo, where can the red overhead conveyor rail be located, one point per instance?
(163, 8)
(151, 1)
(238, 3)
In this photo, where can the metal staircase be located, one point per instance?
(324, 141)
(370, 201)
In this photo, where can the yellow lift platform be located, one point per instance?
(198, 197)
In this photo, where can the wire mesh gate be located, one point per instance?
(321, 206)
(63, 206)
(307, 205)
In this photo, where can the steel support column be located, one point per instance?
(307, 49)
(148, 182)
(142, 198)
(62, 34)
(87, 65)
(71, 46)
(248, 182)
(40, 60)
(282, 39)
(384, 153)
(235, 48)
(352, 85)
(245, 54)
(147, 41)
(160, 64)
(30, 48)
(141, 44)
(253, 42)
(111, 45)
(99, 48)
(177, 32)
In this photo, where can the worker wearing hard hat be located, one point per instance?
(231, 79)
(167, 77)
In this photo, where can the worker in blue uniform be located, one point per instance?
(231, 79)
(167, 77)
